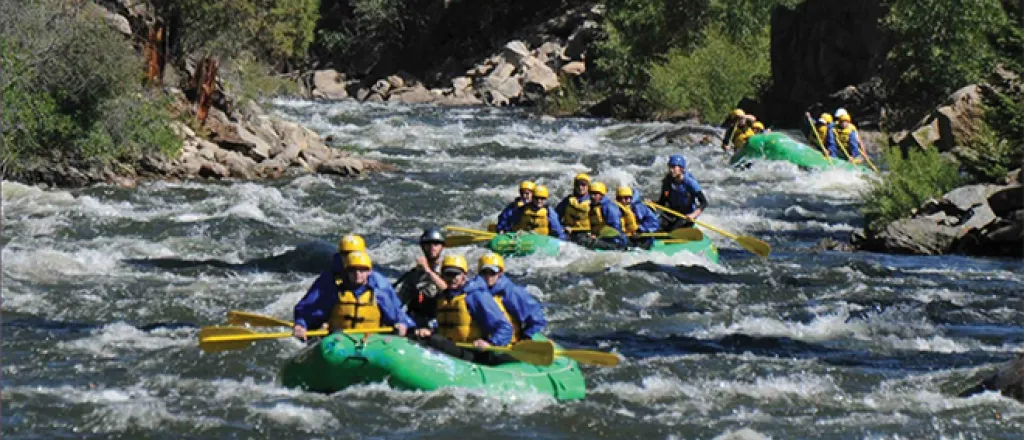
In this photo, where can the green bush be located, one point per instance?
(246, 77)
(569, 99)
(912, 180)
(712, 78)
(73, 94)
(273, 29)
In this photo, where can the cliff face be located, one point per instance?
(822, 47)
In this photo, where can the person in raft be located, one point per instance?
(419, 286)
(824, 128)
(680, 192)
(537, 217)
(637, 218)
(467, 313)
(354, 300)
(846, 135)
(574, 210)
(505, 223)
(521, 309)
(605, 216)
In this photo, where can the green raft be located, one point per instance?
(778, 146)
(513, 244)
(342, 360)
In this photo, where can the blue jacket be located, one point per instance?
(485, 311)
(854, 146)
(505, 222)
(830, 140)
(646, 219)
(681, 196)
(554, 222)
(520, 305)
(314, 309)
(560, 209)
(612, 217)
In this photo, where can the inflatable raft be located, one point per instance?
(778, 146)
(340, 360)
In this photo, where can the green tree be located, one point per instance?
(912, 180)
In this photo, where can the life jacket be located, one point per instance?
(629, 223)
(454, 321)
(597, 219)
(353, 311)
(577, 214)
(822, 134)
(533, 219)
(843, 137)
(740, 136)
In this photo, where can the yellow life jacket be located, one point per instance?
(629, 225)
(577, 214)
(843, 134)
(454, 321)
(822, 134)
(517, 327)
(535, 220)
(355, 312)
(740, 136)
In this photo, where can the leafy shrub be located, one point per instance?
(274, 29)
(712, 78)
(569, 99)
(912, 180)
(248, 78)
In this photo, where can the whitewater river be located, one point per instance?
(104, 290)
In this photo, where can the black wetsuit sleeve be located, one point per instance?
(702, 201)
(665, 187)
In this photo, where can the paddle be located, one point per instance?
(749, 243)
(465, 240)
(470, 231)
(590, 357)
(222, 338)
(817, 136)
(532, 352)
(237, 317)
(864, 154)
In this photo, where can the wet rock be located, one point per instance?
(413, 95)
(1008, 381)
(831, 244)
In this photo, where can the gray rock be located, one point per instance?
(1008, 380)
(259, 149)
(1006, 199)
(515, 52)
(966, 197)
(342, 166)
(413, 95)
(574, 68)
(495, 98)
(329, 84)
(536, 72)
(918, 236)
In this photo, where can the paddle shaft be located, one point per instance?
(695, 221)
(470, 231)
(863, 152)
(828, 157)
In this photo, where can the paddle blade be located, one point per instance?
(533, 352)
(590, 357)
(237, 317)
(609, 232)
(222, 338)
(465, 240)
(688, 234)
(754, 245)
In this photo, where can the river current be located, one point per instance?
(104, 290)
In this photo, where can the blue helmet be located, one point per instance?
(677, 160)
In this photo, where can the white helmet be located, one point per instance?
(840, 112)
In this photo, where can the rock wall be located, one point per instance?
(823, 55)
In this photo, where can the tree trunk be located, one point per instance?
(206, 74)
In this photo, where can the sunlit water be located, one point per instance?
(104, 290)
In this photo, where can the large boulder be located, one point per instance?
(329, 84)
(1008, 380)
(974, 220)
(953, 124)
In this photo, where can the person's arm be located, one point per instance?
(489, 317)
(311, 310)
(505, 222)
(391, 308)
(555, 225)
(560, 209)
(855, 149)
(533, 320)
(647, 219)
(434, 276)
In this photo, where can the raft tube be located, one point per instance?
(341, 360)
(779, 146)
(513, 244)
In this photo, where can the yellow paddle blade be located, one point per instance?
(237, 317)
(222, 338)
(492, 227)
(653, 235)
(591, 357)
(608, 232)
(754, 245)
(687, 234)
(465, 240)
(751, 244)
(470, 231)
(532, 352)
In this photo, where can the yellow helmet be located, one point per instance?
(582, 176)
(624, 191)
(358, 259)
(845, 117)
(738, 112)
(541, 192)
(825, 117)
(527, 185)
(758, 126)
(598, 188)
(351, 243)
(454, 262)
(491, 261)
